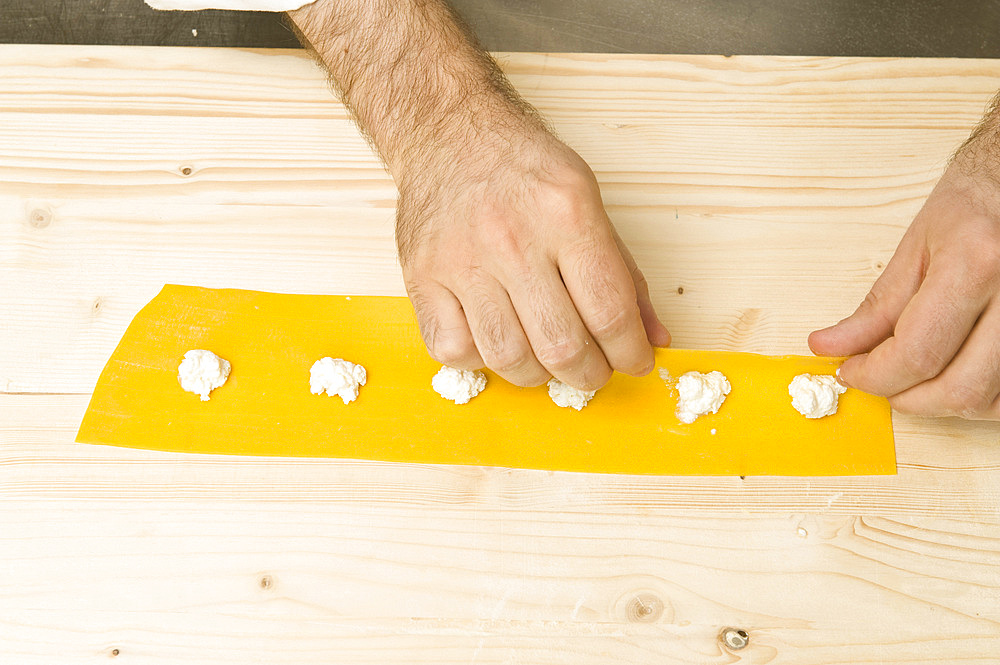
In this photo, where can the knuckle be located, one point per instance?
(613, 323)
(565, 201)
(967, 401)
(900, 405)
(451, 350)
(528, 380)
(573, 199)
(641, 285)
(517, 365)
(507, 360)
(874, 305)
(981, 252)
(921, 362)
(505, 239)
(448, 346)
(563, 355)
(984, 272)
(983, 232)
(872, 300)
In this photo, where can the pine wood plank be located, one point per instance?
(732, 178)
(213, 558)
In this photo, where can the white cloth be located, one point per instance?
(248, 5)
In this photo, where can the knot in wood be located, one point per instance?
(734, 639)
(39, 218)
(644, 608)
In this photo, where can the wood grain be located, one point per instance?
(315, 583)
(188, 556)
(761, 196)
(235, 168)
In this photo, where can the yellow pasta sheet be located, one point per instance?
(266, 408)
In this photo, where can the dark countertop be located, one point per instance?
(921, 28)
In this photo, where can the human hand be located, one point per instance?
(928, 334)
(511, 263)
(507, 253)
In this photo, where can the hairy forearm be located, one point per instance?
(980, 154)
(415, 80)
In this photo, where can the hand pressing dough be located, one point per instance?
(459, 385)
(568, 396)
(815, 396)
(202, 371)
(338, 377)
(700, 394)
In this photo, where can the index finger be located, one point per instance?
(928, 334)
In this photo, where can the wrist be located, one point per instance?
(477, 132)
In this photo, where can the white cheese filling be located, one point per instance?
(202, 371)
(815, 395)
(567, 396)
(458, 385)
(337, 376)
(700, 394)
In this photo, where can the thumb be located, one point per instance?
(875, 318)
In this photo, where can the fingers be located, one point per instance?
(557, 335)
(656, 332)
(874, 320)
(497, 332)
(443, 326)
(604, 295)
(928, 334)
(970, 386)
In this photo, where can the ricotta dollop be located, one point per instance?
(458, 385)
(815, 395)
(336, 376)
(567, 396)
(700, 394)
(201, 372)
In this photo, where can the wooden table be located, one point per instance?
(761, 196)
